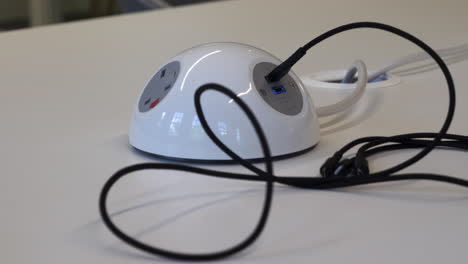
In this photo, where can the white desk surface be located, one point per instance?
(66, 95)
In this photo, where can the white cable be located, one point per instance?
(448, 52)
(351, 99)
(431, 65)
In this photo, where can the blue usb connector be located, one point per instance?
(278, 89)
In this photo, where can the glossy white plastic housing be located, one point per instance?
(172, 129)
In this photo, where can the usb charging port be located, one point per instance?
(278, 89)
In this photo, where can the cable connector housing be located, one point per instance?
(281, 70)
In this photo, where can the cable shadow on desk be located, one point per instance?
(88, 231)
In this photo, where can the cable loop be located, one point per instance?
(335, 172)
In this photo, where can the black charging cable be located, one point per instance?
(336, 172)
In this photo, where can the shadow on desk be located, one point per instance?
(88, 237)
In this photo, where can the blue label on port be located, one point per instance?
(278, 89)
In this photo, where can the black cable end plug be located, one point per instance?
(281, 70)
(361, 167)
(328, 168)
(335, 167)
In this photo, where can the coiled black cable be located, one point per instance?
(336, 172)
